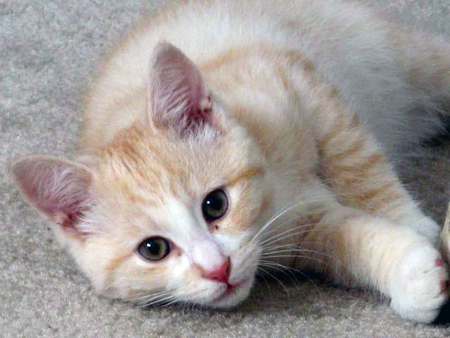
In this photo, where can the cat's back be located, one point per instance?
(323, 31)
(201, 29)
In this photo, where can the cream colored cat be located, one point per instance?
(226, 136)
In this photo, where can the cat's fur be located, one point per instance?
(277, 102)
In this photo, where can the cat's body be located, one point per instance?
(369, 61)
(272, 102)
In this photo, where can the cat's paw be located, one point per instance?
(427, 228)
(419, 285)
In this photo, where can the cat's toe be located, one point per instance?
(419, 285)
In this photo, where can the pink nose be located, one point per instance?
(221, 274)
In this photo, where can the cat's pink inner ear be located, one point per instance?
(58, 189)
(178, 98)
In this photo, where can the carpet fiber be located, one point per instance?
(48, 53)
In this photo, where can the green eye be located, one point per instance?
(215, 205)
(154, 248)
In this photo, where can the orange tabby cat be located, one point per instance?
(261, 140)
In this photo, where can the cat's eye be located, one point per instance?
(215, 205)
(154, 248)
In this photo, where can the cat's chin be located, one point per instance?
(232, 297)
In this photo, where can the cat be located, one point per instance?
(224, 137)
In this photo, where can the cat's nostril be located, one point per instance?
(220, 274)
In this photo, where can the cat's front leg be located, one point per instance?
(355, 168)
(361, 250)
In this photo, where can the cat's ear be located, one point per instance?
(177, 95)
(60, 190)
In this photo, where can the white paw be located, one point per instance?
(428, 228)
(418, 285)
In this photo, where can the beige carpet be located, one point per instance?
(48, 52)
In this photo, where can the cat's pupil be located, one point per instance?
(154, 248)
(215, 205)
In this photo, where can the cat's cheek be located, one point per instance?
(202, 292)
(179, 270)
(94, 269)
(230, 243)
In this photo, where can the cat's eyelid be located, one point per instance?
(246, 174)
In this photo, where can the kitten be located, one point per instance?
(224, 136)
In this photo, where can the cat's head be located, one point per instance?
(170, 208)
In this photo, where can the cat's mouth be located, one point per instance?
(232, 294)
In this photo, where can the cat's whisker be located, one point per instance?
(299, 250)
(283, 270)
(287, 233)
(315, 259)
(170, 302)
(151, 300)
(282, 213)
(276, 230)
(305, 226)
(269, 264)
(161, 300)
(276, 279)
(263, 278)
(281, 236)
(277, 266)
(184, 294)
(289, 249)
(141, 296)
(273, 219)
(144, 299)
(286, 269)
(278, 245)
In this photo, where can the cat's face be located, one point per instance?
(179, 217)
(170, 209)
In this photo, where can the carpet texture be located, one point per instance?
(48, 54)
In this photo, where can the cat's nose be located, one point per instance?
(220, 274)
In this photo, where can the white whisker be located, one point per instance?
(280, 214)
(276, 279)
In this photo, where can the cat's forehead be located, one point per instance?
(144, 167)
(146, 186)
